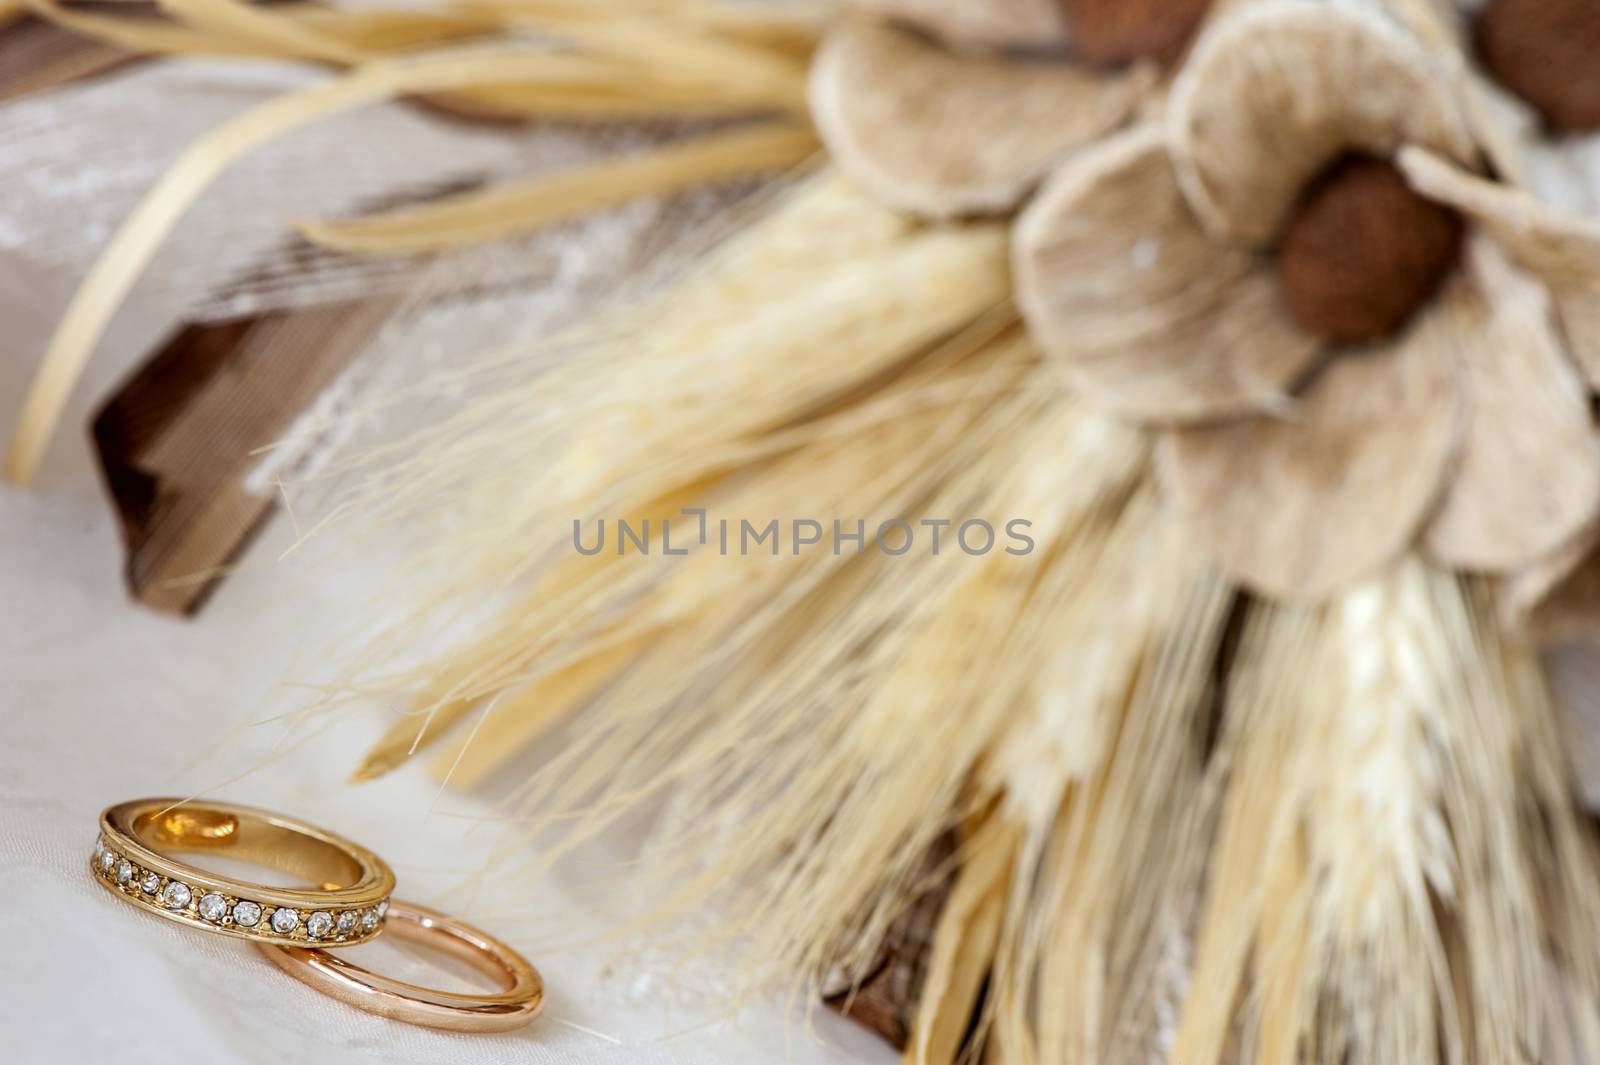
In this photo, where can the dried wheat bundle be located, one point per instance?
(1399, 872)
(1236, 746)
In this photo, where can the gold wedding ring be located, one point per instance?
(517, 1002)
(344, 902)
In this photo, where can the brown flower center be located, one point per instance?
(1113, 32)
(1548, 53)
(1364, 251)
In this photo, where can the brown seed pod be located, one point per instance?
(1548, 53)
(1121, 31)
(1364, 251)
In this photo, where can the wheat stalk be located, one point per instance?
(1379, 892)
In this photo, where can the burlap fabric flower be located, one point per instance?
(1349, 341)
(947, 108)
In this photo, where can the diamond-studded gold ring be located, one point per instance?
(345, 901)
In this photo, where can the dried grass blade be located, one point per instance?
(298, 31)
(501, 212)
(392, 31)
(790, 30)
(265, 28)
(677, 53)
(964, 943)
(529, 714)
(142, 35)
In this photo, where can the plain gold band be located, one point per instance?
(135, 858)
(514, 1006)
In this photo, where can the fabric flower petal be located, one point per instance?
(1528, 474)
(986, 23)
(1276, 92)
(1558, 597)
(1300, 506)
(1562, 250)
(1148, 316)
(943, 135)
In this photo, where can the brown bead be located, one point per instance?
(1548, 53)
(1114, 32)
(1364, 252)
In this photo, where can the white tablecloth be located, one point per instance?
(102, 701)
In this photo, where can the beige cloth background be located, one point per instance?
(102, 701)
